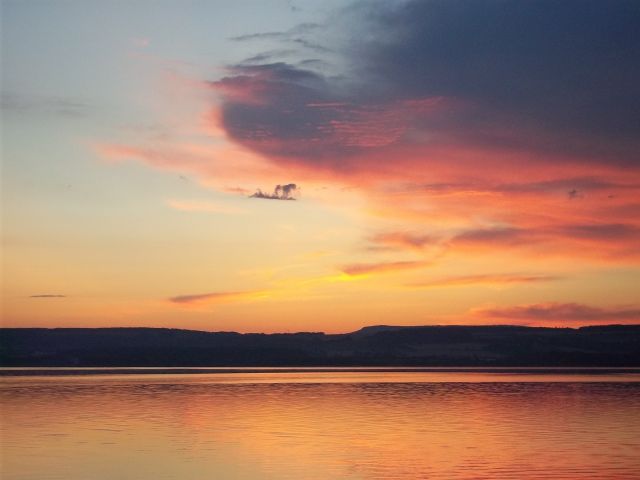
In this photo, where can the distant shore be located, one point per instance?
(373, 347)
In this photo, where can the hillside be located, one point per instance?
(614, 345)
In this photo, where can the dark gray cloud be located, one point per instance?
(267, 56)
(573, 65)
(280, 192)
(537, 76)
(259, 36)
(271, 107)
(287, 111)
(291, 34)
(297, 35)
(48, 295)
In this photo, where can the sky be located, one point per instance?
(282, 166)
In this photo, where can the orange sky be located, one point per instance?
(421, 197)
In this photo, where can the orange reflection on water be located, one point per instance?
(304, 425)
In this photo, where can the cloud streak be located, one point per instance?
(300, 29)
(569, 312)
(357, 269)
(403, 240)
(619, 240)
(616, 241)
(216, 297)
(486, 279)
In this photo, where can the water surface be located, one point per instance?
(322, 424)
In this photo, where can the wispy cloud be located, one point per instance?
(268, 56)
(487, 279)
(216, 297)
(496, 236)
(47, 295)
(291, 34)
(557, 186)
(381, 267)
(616, 241)
(573, 312)
(406, 240)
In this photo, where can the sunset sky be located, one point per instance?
(454, 162)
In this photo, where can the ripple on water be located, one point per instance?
(183, 428)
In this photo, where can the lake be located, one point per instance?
(95, 424)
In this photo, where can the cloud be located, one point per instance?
(403, 240)
(465, 125)
(531, 76)
(611, 241)
(517, 62)
(560, 311)
(292, 112)
(486, 279)
(381, 267)
(47, 295)
(557, 186)
(496, 236)
(280, 192)
(259, 36)
(300, 29)
(598, 232)
(268, 56)
(216, 297)
(606, 234)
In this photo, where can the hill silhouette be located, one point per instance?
(613, 345)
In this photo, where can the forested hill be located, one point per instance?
(614, 345)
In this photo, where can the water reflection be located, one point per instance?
(196, 426)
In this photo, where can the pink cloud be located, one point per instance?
(552, 311)
(382, 267)
(485, 279)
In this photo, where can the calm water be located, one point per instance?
(266, 424)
